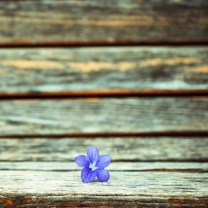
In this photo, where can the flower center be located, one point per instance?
(92, 166)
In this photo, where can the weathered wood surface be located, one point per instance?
(121, 149)
(190, 167)
(103, 69)
(103, 115)
(64, 189)
(145, 172)
(100, 22)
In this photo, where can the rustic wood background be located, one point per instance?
(128, 76)
(98, 22)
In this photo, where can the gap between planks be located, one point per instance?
(102, 94)
(184, 167)
(127, 43)
(173, 134)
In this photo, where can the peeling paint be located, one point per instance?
(34, 64)
(170, 62)
(6, 201)
(97, 66)
(199, 69)
(28, 201)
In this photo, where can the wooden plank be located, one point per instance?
(121, 149)
(130, 70)
(190, 167)
(103, 22)
(103, 115)
(124, 189)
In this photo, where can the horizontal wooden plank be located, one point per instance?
(102, 22)
(142, 70)
(103, 115)
(114, 166)
(121, 149)
(124, 189)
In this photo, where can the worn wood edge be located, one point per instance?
(102, 93)
(192, 167)
(99, 201)
(127, 188)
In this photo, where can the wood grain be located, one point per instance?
(102, 22)
(126, 149)
(190, 167)
(103, 115)
(145, 172)
(64, 189)
(97, 71)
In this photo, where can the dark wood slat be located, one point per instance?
(126, 189)
(103, 71)
(128, 149)
(103, 115)
(102, 22)
(189, 167)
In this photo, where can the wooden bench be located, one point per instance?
(141, 99)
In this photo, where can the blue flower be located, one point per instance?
(93, 165)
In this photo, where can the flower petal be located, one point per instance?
(87, 175)
(104, 161)
(93, 154)
(103, 175)
(82, 161)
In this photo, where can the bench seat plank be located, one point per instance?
(103, 115)
(64, 189)
(150, 149)
(103, 70)
(102, 22)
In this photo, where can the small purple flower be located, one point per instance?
(93, 165)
